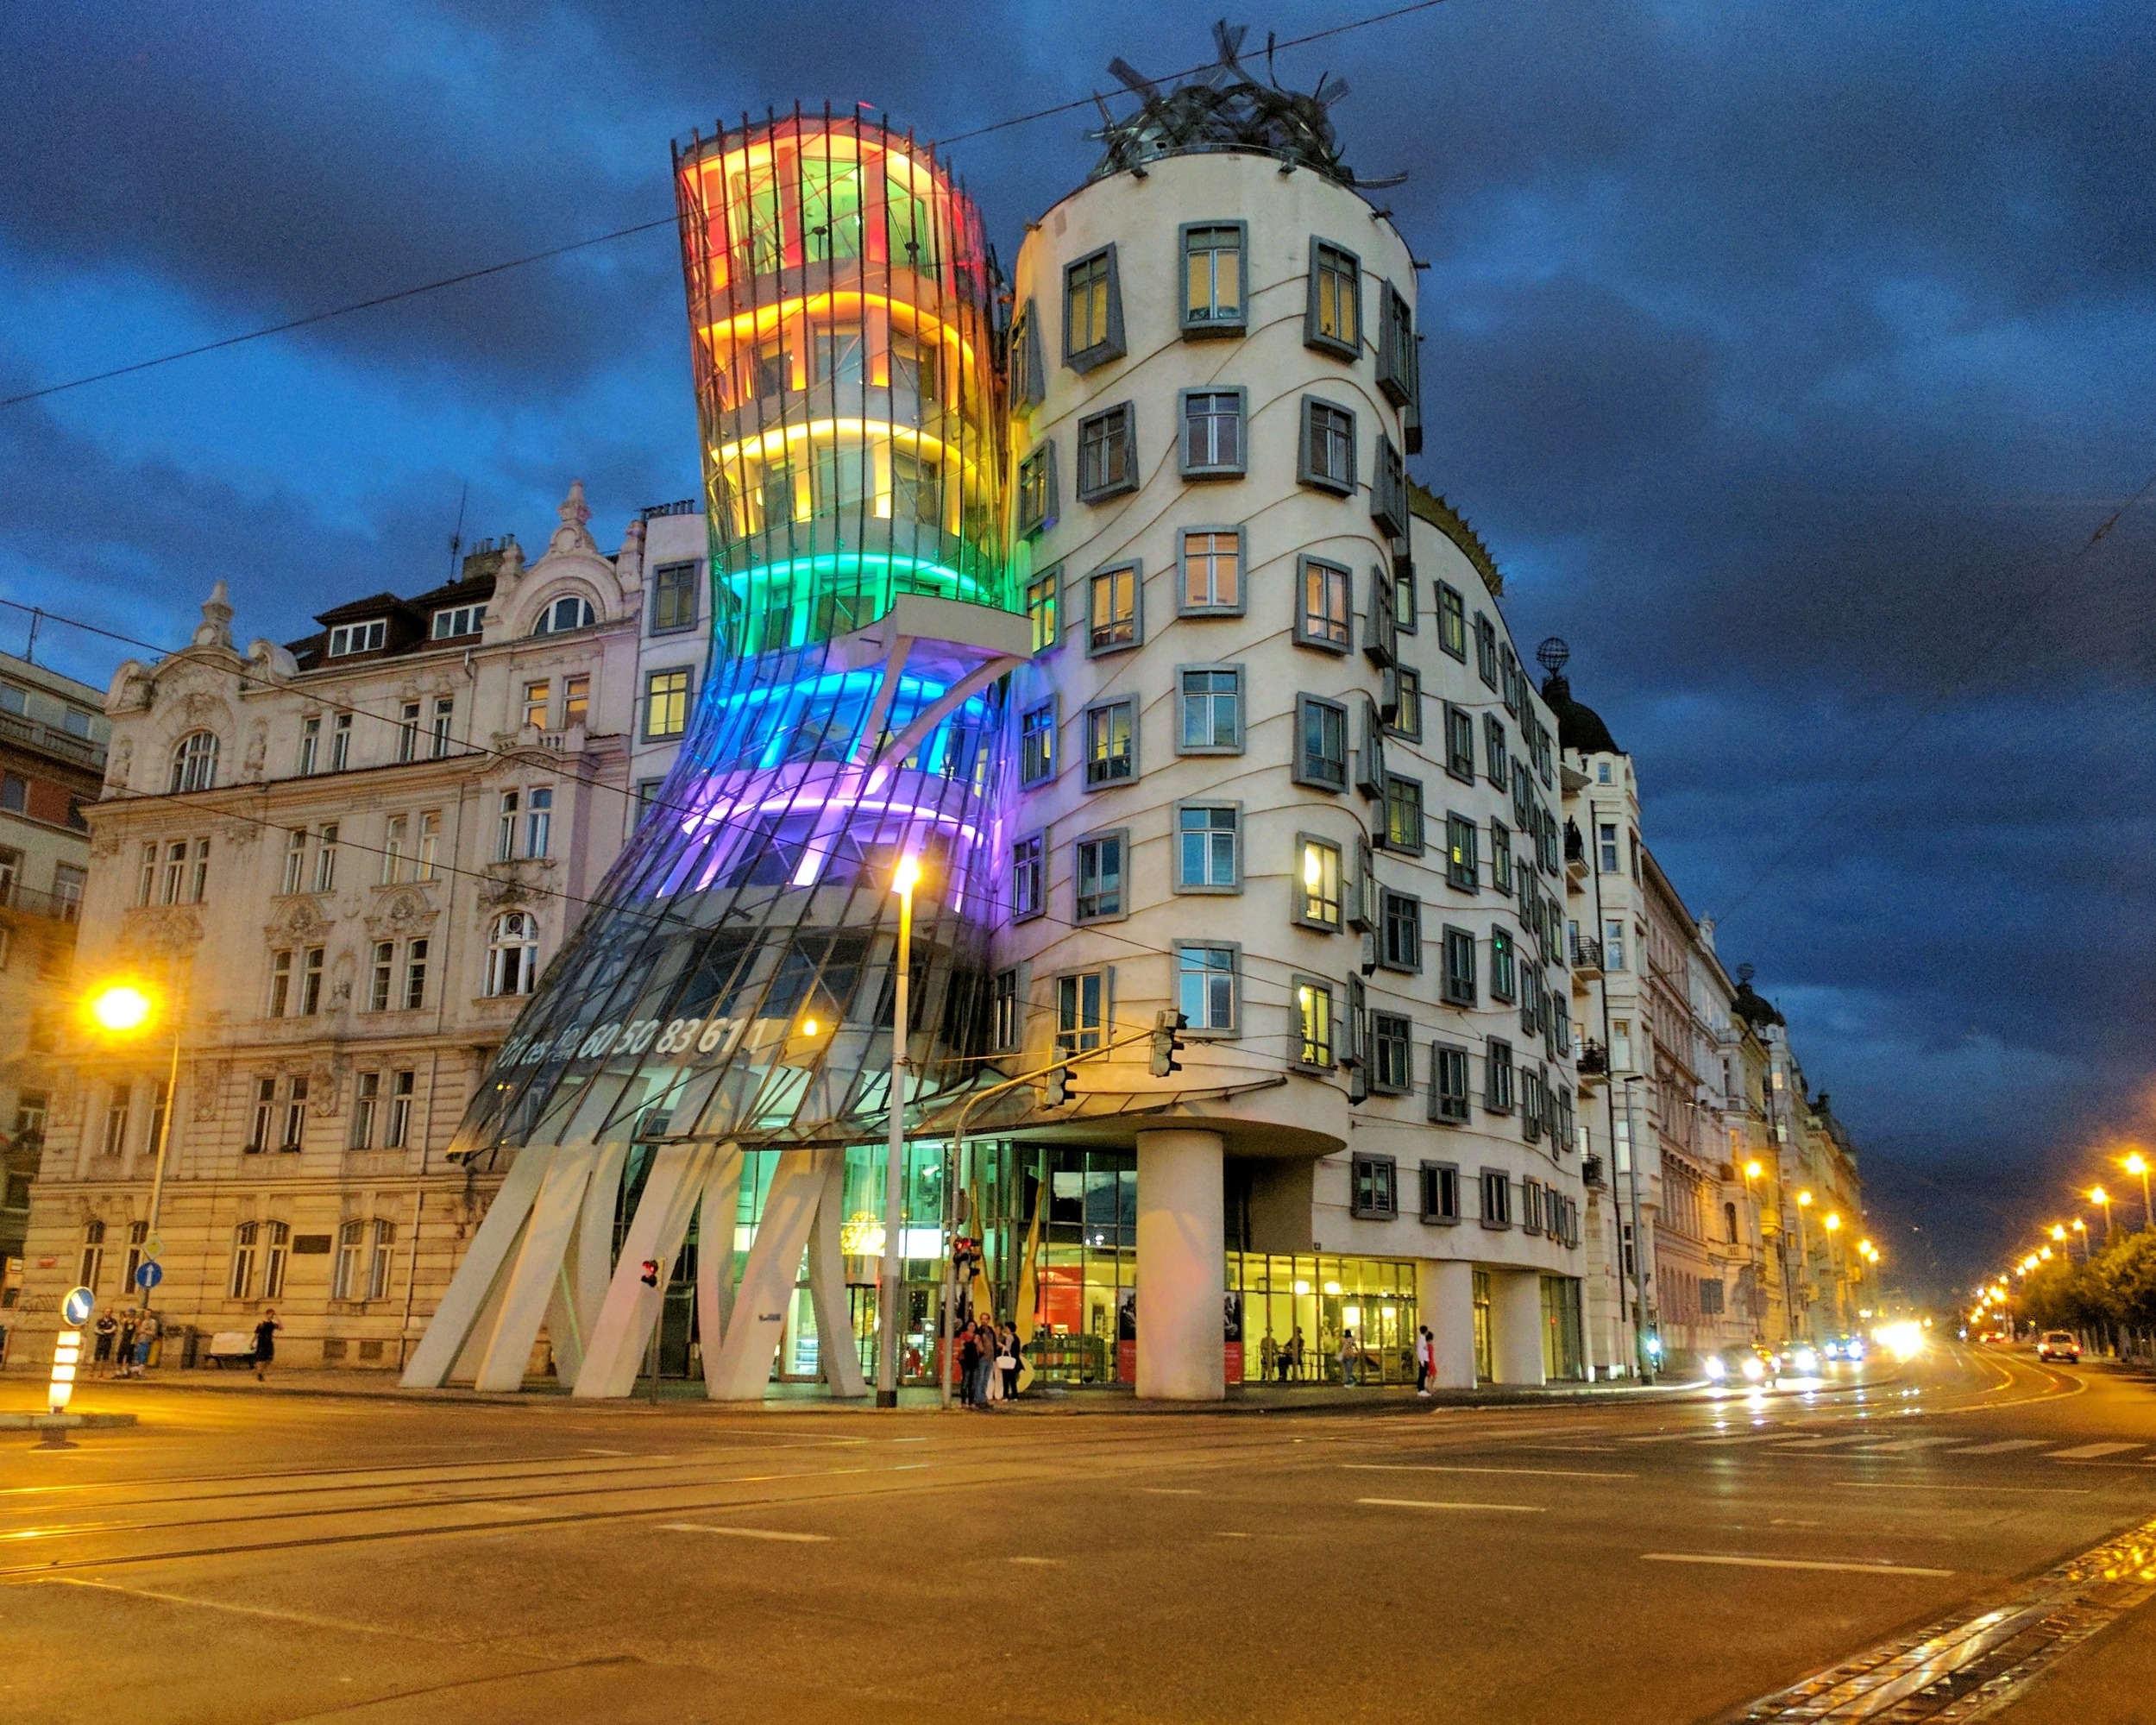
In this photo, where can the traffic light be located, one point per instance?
(650, 1272)
(1167, 1041)
(1056, 1090)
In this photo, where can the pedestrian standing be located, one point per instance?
(1008, 1360)
(145, 1335)
(107, 1326)
(265, 1342)
(1425, 1360)
(1294, 1355)
(969, 1363)
(123, 1343)
(1347, 1356)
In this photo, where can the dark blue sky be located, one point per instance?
(1784, 355)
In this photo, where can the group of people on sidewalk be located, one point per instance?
(124, 1338)
(990, 1357)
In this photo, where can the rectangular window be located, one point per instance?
(1081, 1012)
(462, 620)
(295, 1130)
(1497, 1199)
(1389, 490)
(367, 1090)
(1448, 1083)
(382, 1240)
(1213, 278)
(1111, 613)
(1494, 750)
(145, 886)
(1098, 878)
(1392, 1043)
(1485, 649)
(1044, 608)
(1400, 934)
(400, 1129)
(1407, 704)
(1614, 945)
(1317, 884)
(1503, 965)
(1463, 869)
(1209, 848)
(310, 981)
(396, 831)
(1498, 1075)
(1108, 454)
(1092, 312)
(429, 845)
(1458, 743)
(1028, 369)
(1212, 570)
(539, 820)
(357, 638)
(1112, 744)
(666, 704)
(279, 983)
(1441, 1191)
(265, 1114)
(1399, 360)
(119, 1099)
(1326, 615)
(1205, 988)
(673, 597)
(505, 825)
(1459, 986)
(1036, 505)
(1006, 1028)
(175, 872)
(415, 995)
(1372, 1180)
(1028, 876)
(1321, 755)
(341, 742)
(1036, 743)
(1327, 453)
(1452, 621)
(378, 986)
(1404, 609)
(408, 731)
(1333, 322)
(310, 744)
(1606, 848)
(1313, 1024)
(325, 860)
(1404, 815)
(575, 701)
(1212, 433)
(537, 697)
(444, 717)
(1209, 709)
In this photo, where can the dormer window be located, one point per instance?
(464, 620)
(357, 638)
(567, 612)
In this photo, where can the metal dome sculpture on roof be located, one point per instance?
(1222, 107)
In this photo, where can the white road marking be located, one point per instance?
(1785, 1563)
(1435, 1467)
(605, 1452)
(313, 1623)
(1424, 1503)
(1749, 1437)
(1665, 1438)
(1828, 1443)
(1923, 1485)
(1998, 1449)
(1171, 1491)
(2089, 1452)
(1040, 1563)
(747, 1533)
(1904, 1446)
(1786, 1521)
(1231, 1536)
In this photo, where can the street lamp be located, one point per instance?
(2098, 1195)
(2082, 1228)
(2137, 1163)
(127, 1008)
(904, 880)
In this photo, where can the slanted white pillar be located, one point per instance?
(1182, 1266)
(579, 1287)
(472, 1288)
(716, 1217)
(535, 1275)
(743, 1367)
(613, 1351)
(1444, 1299)
(1516, 1325)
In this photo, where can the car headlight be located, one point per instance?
(1806, 1359)
(1755, 1368)
(1716, 1370)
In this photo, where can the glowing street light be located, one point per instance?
(2098, 1195)
(2135, 1162)
(121, 1008)
(904, 878)
(126, 1008)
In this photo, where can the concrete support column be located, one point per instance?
(1516, 1325)
(1444, 1299)
(1182, 1266)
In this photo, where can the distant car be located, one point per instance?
(1739, 1365)
(2058, 1344)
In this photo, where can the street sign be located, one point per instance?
(148, 1274)
(77, 1307)
(154, 1247)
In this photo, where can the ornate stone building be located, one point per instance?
(338, 865)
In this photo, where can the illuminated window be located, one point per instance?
(1213, 277)
(1112, 744)
(1112, 608)
(537, 696)
(1333, 321)
(1462, 866)
(1313, 1024)
(1324, 618)
(1452, 621)
(1092, 312)
(575, 701)
(1212, 570)
(1081, 1003)
(674, 597)
(1043, 596)
(666, 704)
(1317, 884)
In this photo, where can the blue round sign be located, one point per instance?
(78, 1306)
(148, 1274)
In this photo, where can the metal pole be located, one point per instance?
(1639, 1242)
(164, 1131)
(2146, 1218)
(895, 1159)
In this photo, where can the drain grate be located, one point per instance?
(1967, 1666)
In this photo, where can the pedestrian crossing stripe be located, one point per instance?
(2001, 1448)
(2089, 1452)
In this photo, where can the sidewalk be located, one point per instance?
(23, 1390)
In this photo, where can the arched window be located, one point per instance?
(244, 1252)
(512, 954)
(195, 762)
(1729, 1216)
(277, 1245)
(571, 611)
(382, 1241)
(92, 1264)
(351, 1251)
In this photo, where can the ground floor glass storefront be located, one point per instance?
(1320, 1319)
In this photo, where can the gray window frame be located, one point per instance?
(1459, 722)
(1462, 874)
(1452, 607)
(1494, 752)
(1301, 773)
(1242, 709)
(1177, 884)
(1110, 346)
(1440, 1213)
(1498, 1215)
(1499, 1099)
(1305, 562)
(1199, 329)
(1053, 708)
(1089, 781)
(1039, 459)
(1504, 980)
(1399, 369)
(1408, 698)
(1052, 579)
(1373, 1210)
(998, 1041)
(1121, 836)
(1453, 989)
(1313, 336)
(1501, 856)
(659, 585)
(1038, 838)
(1182, 606)
(1100, 425)
(1028, 367)
(1299, 902)
(1296, 982)
(1415, 845)
(1450, 1106)
(1388, 490)
(1402, 1038)
(1097, 648)
(1306, 472)
(1387, 959)
(1234, 469)
(1193, 1029)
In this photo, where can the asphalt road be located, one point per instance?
(256, 1557)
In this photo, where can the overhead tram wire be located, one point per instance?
(671, 220)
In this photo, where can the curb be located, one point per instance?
(63, 1422)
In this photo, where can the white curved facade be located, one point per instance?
(1217, 834)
